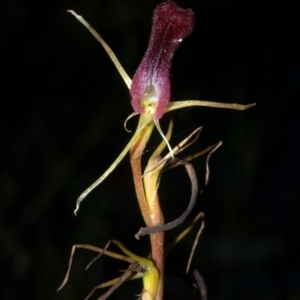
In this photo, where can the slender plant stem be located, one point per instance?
(157, 239)
(146, 191)
(136, 160)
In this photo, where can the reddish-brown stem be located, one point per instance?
(146, 191)
(157, 250)
(157, 239)
(136, 165)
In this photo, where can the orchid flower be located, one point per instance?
(150, 99)
(150, 86)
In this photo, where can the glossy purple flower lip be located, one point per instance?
(150, 88)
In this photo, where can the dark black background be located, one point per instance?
(62, 112)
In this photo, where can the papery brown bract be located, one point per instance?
(151, 83)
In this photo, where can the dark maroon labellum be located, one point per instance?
(151, 82)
